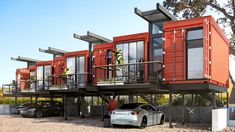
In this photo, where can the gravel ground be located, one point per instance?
(15, 123)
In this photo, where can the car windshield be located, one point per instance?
(129, 106)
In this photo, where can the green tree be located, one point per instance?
(195, 8)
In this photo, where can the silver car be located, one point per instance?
(137, 114)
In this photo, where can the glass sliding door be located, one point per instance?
(47, 73)
(140, 58)
(32, 78)
(71, 66)
(81, 76)
(195, 54)
(132, 53)
(132, 60)
(18, 82)
(40, 77)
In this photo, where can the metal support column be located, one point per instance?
(227, 97)
(183, 109)
(79, 106)
(131, 99)
(214, 100)
(90, 62)
(102, 111)
(31, 99)
(15, 99)
(65, 107)
(36, 99)
(170, 109)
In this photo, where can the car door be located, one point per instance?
(155, 115)
(149, 114)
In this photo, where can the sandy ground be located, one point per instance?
(15, 123)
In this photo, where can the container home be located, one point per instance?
(195, 51)
(77, 65)
(43, 71)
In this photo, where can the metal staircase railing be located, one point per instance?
(149, 99)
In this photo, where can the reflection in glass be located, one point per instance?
(71, 67)
(132, 52)
(40, 77)
(32, 79)
(195, 54)
(81, 71)
(156, 28)
(18, 82)
(47, 73)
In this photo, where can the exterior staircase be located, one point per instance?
(232, 96)
(148, 99)
(209, 97)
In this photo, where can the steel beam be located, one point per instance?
(170, 109)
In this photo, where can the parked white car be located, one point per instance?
(137, 114)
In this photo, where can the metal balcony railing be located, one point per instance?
(131, 73)
(70, 81)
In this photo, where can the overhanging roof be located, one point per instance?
(53, 51)
(159, 14)
(25, 59)
(92, 38)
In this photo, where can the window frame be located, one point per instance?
(187, 48)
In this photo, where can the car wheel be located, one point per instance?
(162, 120)
(39, 114)
(113, 125)
(143, 122)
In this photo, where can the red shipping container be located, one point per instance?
(22, 76)
(195, 51)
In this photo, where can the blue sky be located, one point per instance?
(27, 25)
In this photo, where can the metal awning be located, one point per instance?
(92, 38)
(53, 51)
(24, 59)
(159, 14)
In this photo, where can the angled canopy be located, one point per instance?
(159, 14)
(25, 59)
(92, 38)
(53, 51)
(29, 61)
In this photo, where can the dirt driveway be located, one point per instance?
(16, 123)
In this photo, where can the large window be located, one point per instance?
(195, 53)
(76, 66)
(47, 73)
(156, 28)
(40, 77)
(132, 52)
(32, 78)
